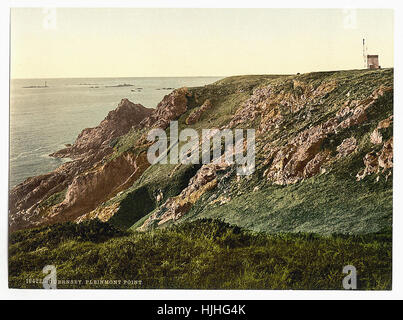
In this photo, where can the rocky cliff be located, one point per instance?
(29, 201)
(324, 159)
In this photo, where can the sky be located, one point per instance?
(130, 42)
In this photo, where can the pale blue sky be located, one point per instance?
(194, 42)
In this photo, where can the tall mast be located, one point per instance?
(364, 56)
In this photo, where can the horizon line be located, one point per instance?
(104, 77)
(210, 76)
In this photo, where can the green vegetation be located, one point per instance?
(140, 199)
(322, 204)
(126, 143)
(54, 199)
(204, 254)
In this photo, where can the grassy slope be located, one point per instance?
(206, 254)
(316, 205)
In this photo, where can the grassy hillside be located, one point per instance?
(322, 205)
(204, 254)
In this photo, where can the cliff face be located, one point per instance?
(89, 151)
(171, 107)
(97, 171)
(324, 158)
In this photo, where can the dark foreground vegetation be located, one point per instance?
(204, 254)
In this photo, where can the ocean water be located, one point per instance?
(44, 119)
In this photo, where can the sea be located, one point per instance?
(47, 114)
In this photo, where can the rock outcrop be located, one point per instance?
(89, 189)
(346, 147)
(195, 115)
(376, 136)
(382, 160)
(302, 157)
(376, 162)
(176, 207)
(271, 103)
(170, 108)
(91, 147)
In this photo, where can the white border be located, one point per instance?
(397, 291)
